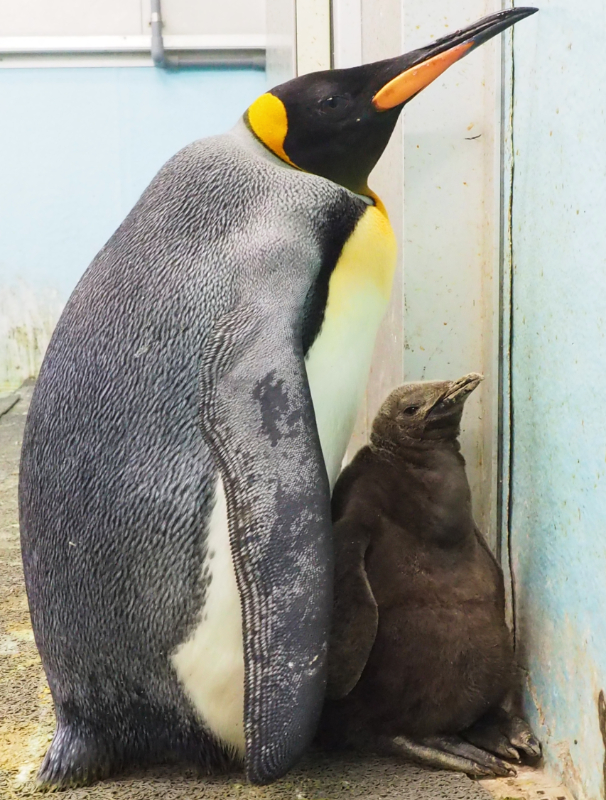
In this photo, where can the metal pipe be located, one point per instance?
(229, 59)
(157, 40)
(71, 51)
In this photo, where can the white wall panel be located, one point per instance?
(129, 17)
(190, 17)
(313, 36)
(70, 17)
(347, 33)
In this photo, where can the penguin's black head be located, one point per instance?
(423, 412)
(337, 123)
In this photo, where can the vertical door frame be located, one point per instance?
(347, 33)
(314, 35)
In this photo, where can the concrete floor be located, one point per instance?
(27, 721)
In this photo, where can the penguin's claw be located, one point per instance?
(504, 735)
(476, 755)
(448, 752)
(522, 738)
(493, 741)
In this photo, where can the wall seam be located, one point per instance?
(505, 331)
(510, 405)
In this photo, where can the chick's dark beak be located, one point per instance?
(432, 61)
(460, 390)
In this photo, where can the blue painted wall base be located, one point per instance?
(559, 381)
(78, 148)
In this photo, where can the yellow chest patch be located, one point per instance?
(367, 262)
(339, 361)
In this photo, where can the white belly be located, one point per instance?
(210, 664)
(337, 370)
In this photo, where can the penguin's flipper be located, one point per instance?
(355, 613)
(258, 419)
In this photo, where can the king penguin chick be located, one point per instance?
(421, 659)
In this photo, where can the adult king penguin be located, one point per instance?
(192, 410)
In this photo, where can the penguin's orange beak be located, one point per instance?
(409, 83)
(435, 59)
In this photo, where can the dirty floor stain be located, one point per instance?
(528, 784)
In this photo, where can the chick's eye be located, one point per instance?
(411, 410)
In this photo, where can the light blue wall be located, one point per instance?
(559, 379)
(77, 148)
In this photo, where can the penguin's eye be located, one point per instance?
(411, 410)
(335, 101)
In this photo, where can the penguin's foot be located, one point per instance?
(504, 735)
(447, 752)
(72, 761)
